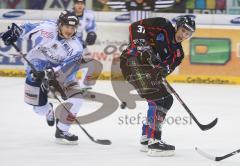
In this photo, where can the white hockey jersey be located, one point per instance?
(87, 23)
(50, 50)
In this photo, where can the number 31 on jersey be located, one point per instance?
(141, 29)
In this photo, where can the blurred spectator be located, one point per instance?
(140, 9)
(36, 4)
(13, 4)
(58, 4)
(100, 5)
(178, 7)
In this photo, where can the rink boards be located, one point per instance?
(211, 55)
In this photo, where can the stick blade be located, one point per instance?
(206, 155)
(210, 125)
(103, 142)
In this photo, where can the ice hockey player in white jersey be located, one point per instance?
(87, 25)
(87, 22)
(55, 59)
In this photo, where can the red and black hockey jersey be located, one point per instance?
(159, 34)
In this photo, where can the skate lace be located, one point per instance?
(67, 133)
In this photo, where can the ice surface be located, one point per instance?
(26, 139)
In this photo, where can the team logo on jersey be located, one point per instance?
(160, 37)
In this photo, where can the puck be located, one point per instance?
(123, 105)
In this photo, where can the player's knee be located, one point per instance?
(167, 102)
(76, 104)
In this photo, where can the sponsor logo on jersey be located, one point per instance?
(46, 34)
(30, 95)
(160, 37)
(68, 48)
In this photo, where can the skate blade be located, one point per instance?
(144, 148)
(65, 142)
(160, 153)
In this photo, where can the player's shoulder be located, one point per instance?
(88, 13)
(76, 43)
(48, 24)
(164, 22)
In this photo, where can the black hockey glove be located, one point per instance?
(11, 35)
(165, 71)
(38, 76)
(91, 38)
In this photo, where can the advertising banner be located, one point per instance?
(118, 17)
(233, 6)
(212, 55)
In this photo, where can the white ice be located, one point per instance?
(26, 139)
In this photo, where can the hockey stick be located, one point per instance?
(201, 126)
(214, 158)
(99, 141)
(103, 142)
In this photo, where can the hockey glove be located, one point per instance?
(164, 71)
(11, 35)
(37, 76)
(91, 38)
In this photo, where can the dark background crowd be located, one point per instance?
(180, 6)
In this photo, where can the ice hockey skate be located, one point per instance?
(144, 143)
(65, 138)
(50, 116)
(158, 148)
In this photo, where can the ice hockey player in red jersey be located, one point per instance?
(153, 53)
